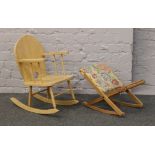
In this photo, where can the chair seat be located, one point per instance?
(49, 80)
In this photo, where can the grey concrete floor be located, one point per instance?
(77, 115)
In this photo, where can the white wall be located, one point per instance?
(86, 46)
(144, 59)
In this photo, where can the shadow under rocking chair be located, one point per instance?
(30, 58)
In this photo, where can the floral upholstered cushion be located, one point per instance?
(104, 77)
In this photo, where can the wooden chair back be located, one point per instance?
(29, 57)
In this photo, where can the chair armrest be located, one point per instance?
(56, 53)
(31, 60)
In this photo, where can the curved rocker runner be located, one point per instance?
(30, 58)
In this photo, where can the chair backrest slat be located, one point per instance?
(31, 69)
(62, 64)
(55, 64)
(57, 59)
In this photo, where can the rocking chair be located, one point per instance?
(30, 58)
(107, 84)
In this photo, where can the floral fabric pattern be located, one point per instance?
(104, 77)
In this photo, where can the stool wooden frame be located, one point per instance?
(106, 96)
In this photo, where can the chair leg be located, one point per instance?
(113, 106)
(96, 100)
(133, 97)
(115, 111)
(137, 103)
(71, 90)
(35, 110)
(30, 96)
(48, 93)
(52, 97)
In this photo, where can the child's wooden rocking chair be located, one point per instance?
(107, 84)
(30, 58)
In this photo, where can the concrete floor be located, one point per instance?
(77, 115)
